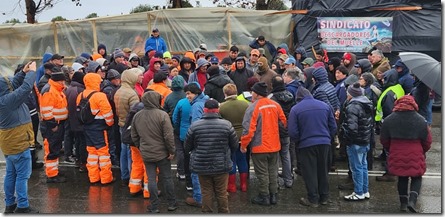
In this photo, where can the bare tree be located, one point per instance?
(34, 7)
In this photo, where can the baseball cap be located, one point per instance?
(57, 57)
(155, 30)
(214, 60)
(126, 50)
(255, 51)
(290, 61)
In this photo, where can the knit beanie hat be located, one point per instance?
(368, 77)
(213, 70)
(78, 77)
(347, 56)
(260, 88)
(112, 74)
(227, 61)
(251, 81)
(355, 90)
(57, 76)
(159, 55)
(118, 53)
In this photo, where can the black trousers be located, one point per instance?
(402, 185)
(314, 169)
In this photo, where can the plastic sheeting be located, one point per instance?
(183, 29)
(418, 30)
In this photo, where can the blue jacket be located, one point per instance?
(311, 122)
(41, 71)
(198, 107)
(13, 110)
(405, 79)
(340, 89)
(324, 87)
(269, 46)
(181, 117)
(157, 43)
(292, 87)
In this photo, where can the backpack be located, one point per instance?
(83, 110)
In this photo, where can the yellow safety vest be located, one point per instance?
(397, 89)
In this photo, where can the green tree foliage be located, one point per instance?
(58, 18)
(92, 15)
(252, 4)
(13, 21)
(141, 8)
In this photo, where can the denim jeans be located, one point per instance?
(359, 167)
(196, 188)
(285, 161)
(239, 160)
(429, 114)
(18, 171)
(125, 160)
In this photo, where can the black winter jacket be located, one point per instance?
(214, 87)
(211, 140)
(358, 122)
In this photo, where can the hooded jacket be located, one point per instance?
(265, 74)
(386, 101)
(357, 125)
(181, 117)
(156, 43)
(214, 86)
(194, 76)
(324, 87)
(133, 55)
(41, 71)
(365, 65)
(311, 122)
(284, 98)
(162, 89)
(211, 140)
(293, 86)
(352, 62)
(152, 130)
(301, 51)
(98, 103)
(148, 75)
(197, 107)
(177, 94)
(382, 66)
(14, 113)
(240, 76)
(270, 49)
(183, 72)
(126, 96)
(405, 79)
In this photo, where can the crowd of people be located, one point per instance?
(214, 117)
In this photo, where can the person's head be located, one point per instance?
(192, 90)
(261, 40)
(277, 82)
(69, 72)
(114, 77)
(94, 67)
(290, 63)
(254, 55)
(366, 79)
(57, 60)
(213, 70)
(58, 77)
(281, 59)
(289, 75)
(155, 32)
(377, 56)
(380, 75)
(48, 66)
(230, 90)
(157, 65)
(240, 63)
(226, 63)
(347, 57)
(233, 53)
(251, 81)
(118, 56)
(274, 66)
(340, 73)
(134, 61)
(173, 71)
(202, 65)
(308, 62)
(102, 49)
(127, 52)
(214, 61)
(78, 77)
(159, 77)
(259, 91)
(400, 66)
(354, 90)
(175, 61)
(319, 56)
(211, 106)
(333, 63)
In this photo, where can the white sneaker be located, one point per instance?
(354, 197)
(367, 195)
(189, 188)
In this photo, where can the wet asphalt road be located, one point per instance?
(77, 196)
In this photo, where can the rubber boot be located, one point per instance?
(412, 201)
(231, 187)
(403, 203)
(243, 181)
(260, 199)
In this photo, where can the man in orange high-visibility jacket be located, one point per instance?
(53, 109)
(98, 161)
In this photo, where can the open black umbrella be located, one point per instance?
(424, 67)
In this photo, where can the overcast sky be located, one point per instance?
(68, 10)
